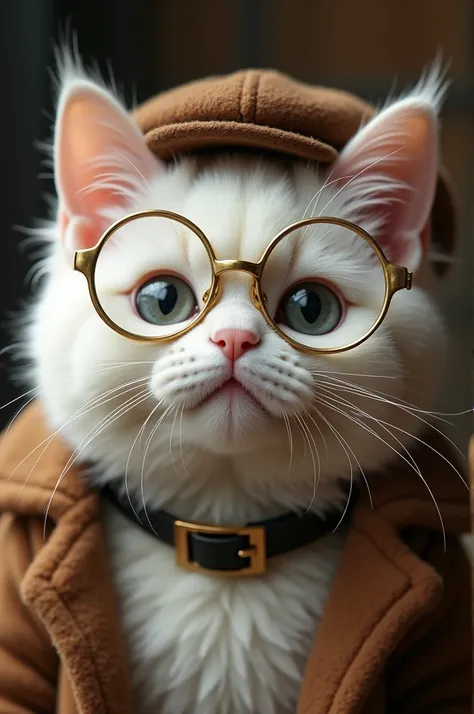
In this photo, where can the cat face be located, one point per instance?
(231, 394)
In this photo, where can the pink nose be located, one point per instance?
(235, 342)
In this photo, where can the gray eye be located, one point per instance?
(165, 300)
(311, 309)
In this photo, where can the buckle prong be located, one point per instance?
(246, 553)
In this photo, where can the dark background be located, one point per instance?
(359, 45)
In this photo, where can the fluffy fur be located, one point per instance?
(306, 424)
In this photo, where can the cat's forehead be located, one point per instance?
(241, 211)
(240, 207)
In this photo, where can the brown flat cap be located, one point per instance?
(267, 110)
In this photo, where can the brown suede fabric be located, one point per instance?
(395, 636)
(267, 110)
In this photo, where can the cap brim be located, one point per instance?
(173, 139)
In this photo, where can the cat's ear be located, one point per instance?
(389, 172)
(100, 160)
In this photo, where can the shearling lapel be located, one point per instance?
(381, 586)
(69, 584)
(379, 590)
(70, 588)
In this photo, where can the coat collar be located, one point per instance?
(69, 585)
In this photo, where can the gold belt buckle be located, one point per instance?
(255, 552)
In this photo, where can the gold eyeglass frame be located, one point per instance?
(85, 261)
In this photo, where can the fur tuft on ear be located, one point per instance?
(101, 160)
(387, 173)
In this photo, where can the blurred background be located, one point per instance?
(365, 46)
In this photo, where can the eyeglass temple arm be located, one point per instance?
(83, 260)
(399, 278)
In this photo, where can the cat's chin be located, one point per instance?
(230, 418)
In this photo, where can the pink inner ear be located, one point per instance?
(101, 160)
(63, 222)
(392, 165)
(77, 233)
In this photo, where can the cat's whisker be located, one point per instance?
(304, 439)
(149, 441)
(135, 168)
(412, 411)
(84, 409)
(15, 417)
(99, 366)
(321, 434)
(343, 444)
(154, 429)
(329, 181)
(382, 424)
(316, 196)
(93, 434)
(345, 403)
(403, 402)
(316, 452)
(371, 431)
(290, 442)
(171, 444)
(352, 388)
(21, 396)
(142, 475)
(344, 385)
(412, 466)
(114, 393)
(431, 448)
(326, 373)
(345, 186)
(181, 440)
(151, 436)
(147, 448)
(137, 437)
(97, 429)
(143, 427)
(311, 443)
(353, 454)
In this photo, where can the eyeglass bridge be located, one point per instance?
(244, 266)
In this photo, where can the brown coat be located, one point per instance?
(395, 635)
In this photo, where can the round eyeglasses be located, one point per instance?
(335, 282)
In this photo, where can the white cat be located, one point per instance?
(199, 644)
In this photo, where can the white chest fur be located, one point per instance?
(202, 645)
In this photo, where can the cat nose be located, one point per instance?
(234, 343)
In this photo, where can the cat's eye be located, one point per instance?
(311, 308)
(165, 300)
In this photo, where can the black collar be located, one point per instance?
(230, 551)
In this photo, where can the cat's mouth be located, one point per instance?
(232, 386)
(232, 389)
